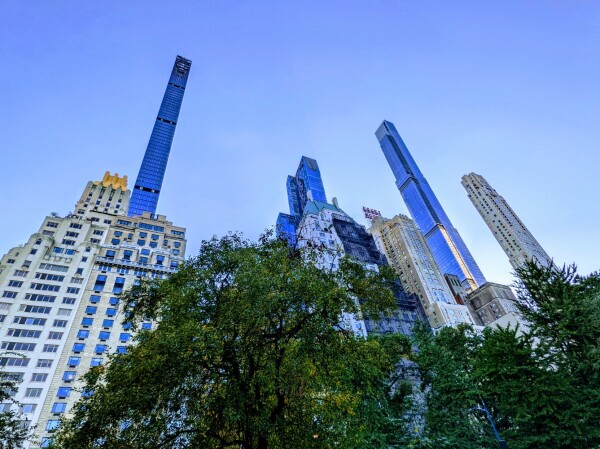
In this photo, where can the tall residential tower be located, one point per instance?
(146, 190)
(512, 235)
(408, 253)
(447, 246)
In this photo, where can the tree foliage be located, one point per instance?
(248, 352)
(540, 385)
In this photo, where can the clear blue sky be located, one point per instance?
(507, 89)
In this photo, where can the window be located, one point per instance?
(160, 260)
(35, 309)
(175, 252)
(28, 408)
(113, 301)
(111, 312)
(145, 252)
(73, 361)
(4, 305)
(30, 321)
(75, 226)
(146, 326)
(72, 234)
(121, 349)
(63, 392)
(141, 242)
(60, 323)
(78, 347)
(63, 312)
(90, 310)
(8, 294)
(55, 335)
(33, 392)
(39, 377)
(126, 326)
(68, 300)
(14, 361)
(33, 251)
(96, 361)
(76, 280)
(153, 244)
(94, 299)
(174, 264)
(24, 333)
(17, 346)
(52, 224)
(59, 407)
(16, 284)
(98, 232)
(110, 254)
(143, 259)
(46, 232)
(86, 321)
(104, 335)
(176, 244)
(68, 242)
(124, 337)
(50, 348)
(69, 376)
(108, 323)
(100, 349)
(52, 425)
(100, 282)
(154, 236)
(119, 285)
(44, 363)
(127, 254)
(73, 290)
(52, 288)
(115, 241)
(10, 261)
(21, 273)
(143, 235)
(83, 334)
(79, 271)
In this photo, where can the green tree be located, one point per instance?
(563, 309)
(452, 398)
(12, 431)
(248, 352)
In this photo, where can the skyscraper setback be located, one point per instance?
(446, 244)
(508, 229)
(146, 190)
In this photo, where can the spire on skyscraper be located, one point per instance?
(146, 190)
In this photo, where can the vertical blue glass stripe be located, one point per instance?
(146, 190)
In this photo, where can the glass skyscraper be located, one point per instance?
(446, 244)
(146, 191)
(306, 185)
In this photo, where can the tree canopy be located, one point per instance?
(248, 352)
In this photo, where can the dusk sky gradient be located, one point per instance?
(507, 89)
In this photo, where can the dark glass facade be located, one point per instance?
(307, 183)
(146, 191)
(447, 246)
(359, 245)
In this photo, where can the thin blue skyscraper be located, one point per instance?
(146, 190)
(306, 185)
(447, 246)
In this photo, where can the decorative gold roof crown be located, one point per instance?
(114, 181)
